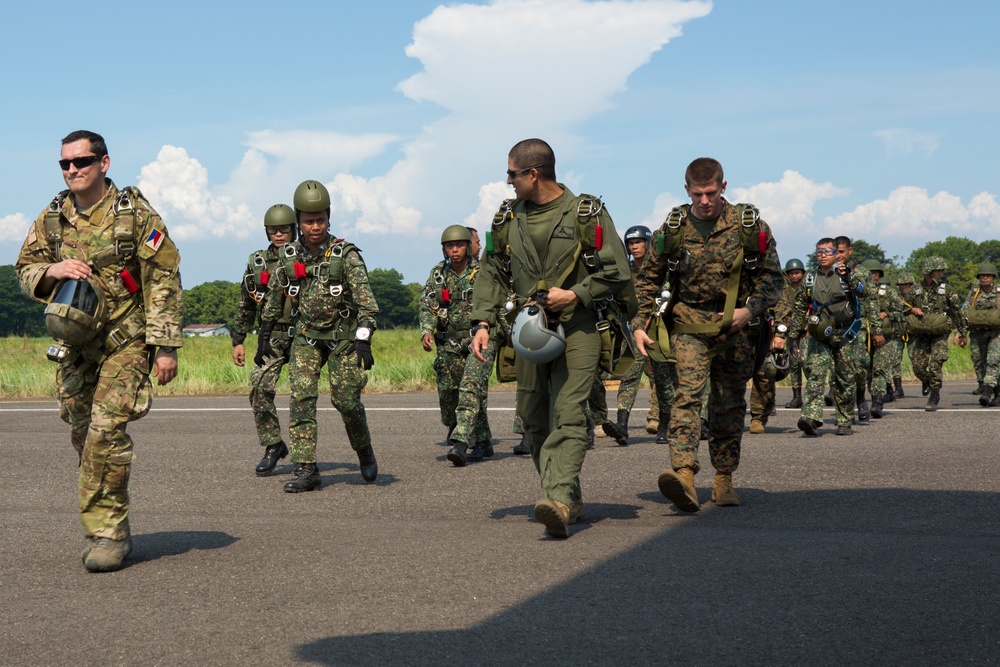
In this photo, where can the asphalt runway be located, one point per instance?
(879, 548)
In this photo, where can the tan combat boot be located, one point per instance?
(677, 486)
(106, 555)
(723, 493)
(554, 515)
(756, 426)
(652, 426)
(575, 511)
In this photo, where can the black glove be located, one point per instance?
(364, 350)
(264, 348)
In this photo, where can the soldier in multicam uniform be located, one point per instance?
(981, 312)
(708, 247)
(279, 224)
(327, 281)
(445, 307)
(795, 271)
(933, 303)
(547, 247)
(110, 246)
(891, 312)
(832, 307)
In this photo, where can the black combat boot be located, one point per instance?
(897, 384)
(987, 398)
(705, 431)
(890, 395)
(487, 447)
(272, 454)
(828, 399)
(978, 391)
(521, 448)
(864, 414)
(477, 453)
(796, 401)
(368, 464)
(877, 406)
(934, 395)
(618, 431)
(306, 479)
(663, 428)
(996, 397)
(924, 388)
(457, 453)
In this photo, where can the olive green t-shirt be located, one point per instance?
(704, 227)
(541, 221)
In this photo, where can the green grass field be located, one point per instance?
(206, 367)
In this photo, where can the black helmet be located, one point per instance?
(637, 232)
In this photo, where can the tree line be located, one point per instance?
(216, 301)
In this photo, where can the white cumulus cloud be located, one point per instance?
(13, 228)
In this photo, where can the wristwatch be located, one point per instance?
(782, 328)
(477, 327)
(167, 348)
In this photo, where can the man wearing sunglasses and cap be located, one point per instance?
(102, 260)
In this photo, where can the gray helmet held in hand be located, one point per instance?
(776, 365)
(77, 312)
(533, 338)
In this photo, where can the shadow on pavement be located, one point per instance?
(852, 577)
(150, 546)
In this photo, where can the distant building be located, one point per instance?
(207, 330)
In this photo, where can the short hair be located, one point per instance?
(473, 230)
(96, 141)
(704, 170)
(826, 240)
(537, 154)
(843, 240)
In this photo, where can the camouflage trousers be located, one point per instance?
(927, 356)
(985, 352)
(97, 400)
(884, 361)
(797, 364)
(840, 364)
(263, 386)
(470, 419)
(551, 400)
(761, 397)
(347, 379)
(661, 381)
(861, 360)
(719, 380)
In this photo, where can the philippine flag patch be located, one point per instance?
(155, 239)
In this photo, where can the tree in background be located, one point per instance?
(962, 256)
(20, 315)
(211, 303)
(397, 306)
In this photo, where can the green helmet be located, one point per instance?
(872, 265)
(456, 233)
(933, 263)
(77, 312)
(794, 265)
(987, 269)
(311, 197)
(904, 278)
(280, 215)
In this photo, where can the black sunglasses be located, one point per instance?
(511, 173)
(79, 162)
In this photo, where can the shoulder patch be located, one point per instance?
(154, 240)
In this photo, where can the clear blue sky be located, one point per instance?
(873, 119)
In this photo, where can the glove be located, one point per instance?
(264, 348)
(363, 348)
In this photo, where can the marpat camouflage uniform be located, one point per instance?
(329, 311)
(727, 360)
(263, 379)
(106, 384)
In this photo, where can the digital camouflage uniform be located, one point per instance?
(984, 341)
(445, 313)
(551, 397)
(783, 315)
(717, 363)
(106, 384)
(928, 353)
(835, 355)
(887, 357)
(263, 379)
(329, 310)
